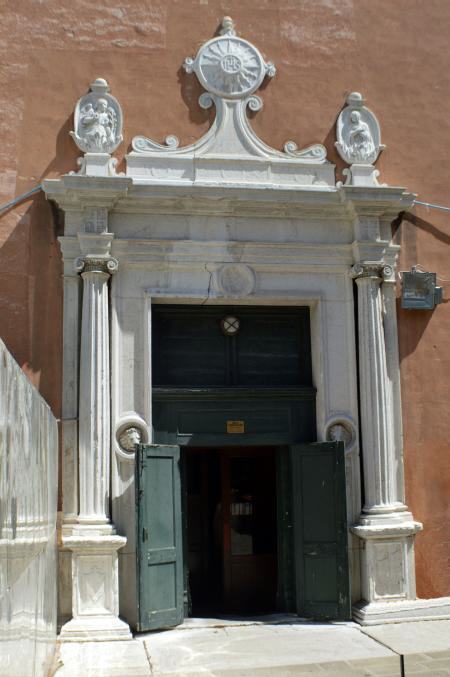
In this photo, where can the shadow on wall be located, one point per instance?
(66, 153)
(412, 325)
(31, 296)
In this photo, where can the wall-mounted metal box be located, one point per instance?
(419, 291)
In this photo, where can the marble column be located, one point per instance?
(385, 525)
(93, 541)
(94, 409)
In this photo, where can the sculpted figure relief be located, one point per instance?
(98, 120)
(360, 142)
(98, 125)
(358, 132)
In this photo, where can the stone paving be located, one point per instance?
(425, 645)
(217, 648)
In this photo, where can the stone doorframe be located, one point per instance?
(227, 220)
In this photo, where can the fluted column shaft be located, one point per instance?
(94, 408)
(377, 423)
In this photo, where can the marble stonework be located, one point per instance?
(226, 220)
(28, 491)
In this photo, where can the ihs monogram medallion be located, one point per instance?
(229, 66)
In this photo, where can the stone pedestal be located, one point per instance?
(93, 541)
(361, 175)
(386, 526)
(95, 589)
(97, 164)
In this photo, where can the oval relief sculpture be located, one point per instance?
(358, 132)
(98, 120)
(236, 280)
(229, 66)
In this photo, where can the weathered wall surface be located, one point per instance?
(396, 53)
(28, 493)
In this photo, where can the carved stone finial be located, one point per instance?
(228, 66)
(228, 26)
(98, 128)
(355, 99)
(100, 86)
(358, 141)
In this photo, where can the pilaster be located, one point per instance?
(69, 427)
(93, 540)
(385, 525)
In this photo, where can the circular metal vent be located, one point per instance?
(230, 325)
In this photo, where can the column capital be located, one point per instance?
(96, 264)
(378, 271)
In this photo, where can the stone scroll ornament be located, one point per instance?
(358, 141)
(98, 129)
(230, 69)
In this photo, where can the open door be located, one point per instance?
(320, 530)
(159, 537)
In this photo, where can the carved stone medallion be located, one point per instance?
(98, 120)
(229, 66)
(129, 437)
(130, 430)
(236, 280)
(341, 431)
(358, 132)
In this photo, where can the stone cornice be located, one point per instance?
(79, 192)
(132, 195)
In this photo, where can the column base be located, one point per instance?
(373, 613)
(95, 586)
(393, 515)
(387, 557)
(99, 628)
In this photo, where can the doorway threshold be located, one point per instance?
(227, 620)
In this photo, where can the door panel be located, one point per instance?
(249, 523)
(286, 599)
(159, 537)
(320, 530)
(311, 525)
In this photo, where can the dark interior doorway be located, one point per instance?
(231, 530)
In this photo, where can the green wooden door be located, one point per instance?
(320, 530)
(159, 537)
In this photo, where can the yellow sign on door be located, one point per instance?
(235, 427)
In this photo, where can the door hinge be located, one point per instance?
(144, 534)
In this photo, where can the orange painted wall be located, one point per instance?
(395, 51)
